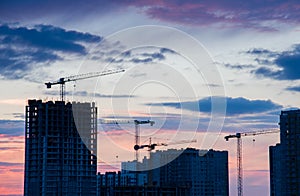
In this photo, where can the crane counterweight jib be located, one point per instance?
(48, 84)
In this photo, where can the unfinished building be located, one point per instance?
(60, 148)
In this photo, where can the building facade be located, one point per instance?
(60, 148)
(203, 172)
(285, 157)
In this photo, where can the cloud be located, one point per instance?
(88, 94)
(145, 60)
(260, 51)
(5, 164)
(281, 65)
(167, 50)
(293, 88)
(147, 57)
(20, 10)
(11, 148)
(23, 49)
(256, 15)
(16, 170)
(155, 55)
(47, 37)
(239, 67)
(235, 106)
(12, 127)
(137, 56)
(18, 115)
(8, 141)
(231, 13)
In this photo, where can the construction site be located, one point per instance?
(61, 155)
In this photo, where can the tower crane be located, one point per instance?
(137, 124)
(151, 146)
(239, 136)
(137, 146)
(62, 81)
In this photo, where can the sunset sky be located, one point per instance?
(180, 57)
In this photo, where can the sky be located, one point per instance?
(199, 69)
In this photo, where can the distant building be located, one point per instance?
(285, 157)
(188, 172)
(58, 160)
(277, 186)
(126, 178)
(123, 184)
(203, 172)
(129, 177)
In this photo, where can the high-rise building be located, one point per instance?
(60, 148)
(285, 157)
(204, 172)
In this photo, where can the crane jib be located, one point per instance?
(62, 81)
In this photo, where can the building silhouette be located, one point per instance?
(276, 170)
(285, 157)
(60, 148)
(203, 172)
(185, 172)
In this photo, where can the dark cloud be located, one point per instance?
(16, 170)
(293, 88)
(155, 55)
(167, 50)
(23, 49)
(259, 51)
(263, 56)
(267, 72)
(145, 60)
(287, 64)
(25, 10)
(290, 64)
(238, 67)
(235, 106)
(47, 37)
(263, 61)
(147, 57)
(126, 54)
(12, 127)
(11, 148)
(11, 141)
(7, 164)
(135, 57)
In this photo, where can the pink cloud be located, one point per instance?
(11, 177)
(234, 13)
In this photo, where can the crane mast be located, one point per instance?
(137, 124)
(137, 145)
(239, 152)
(239, 166)
(62, 81)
